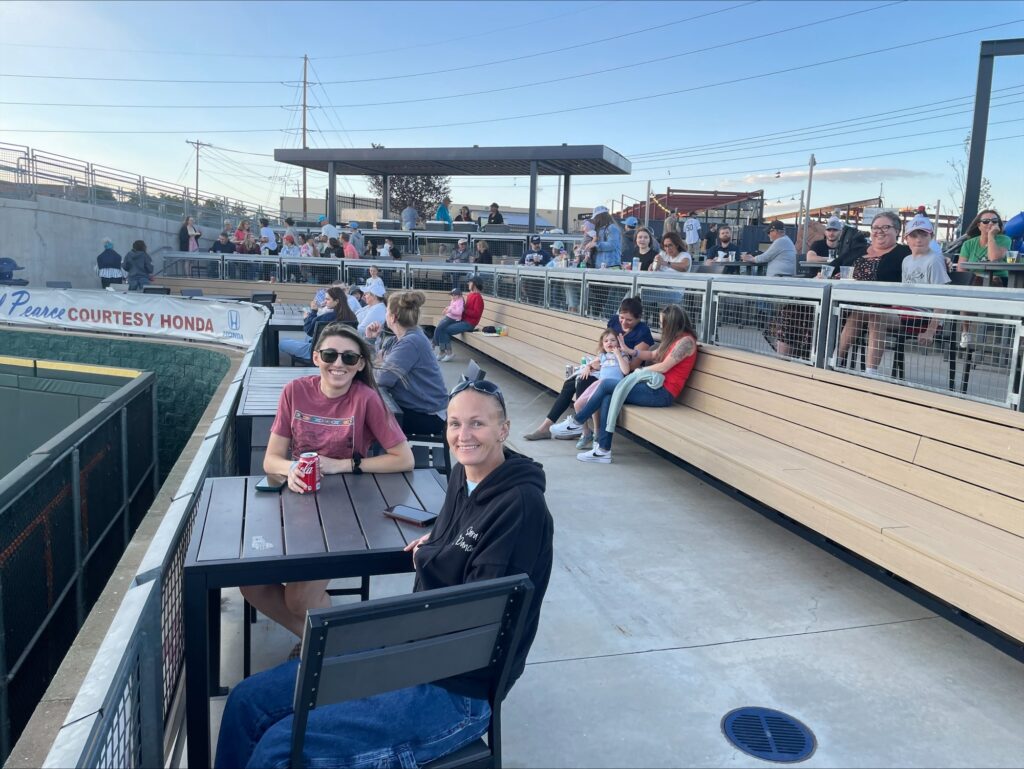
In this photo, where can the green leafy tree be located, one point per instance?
(424, 193)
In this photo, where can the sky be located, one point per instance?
(731, 95)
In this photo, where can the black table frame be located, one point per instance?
(203, 580)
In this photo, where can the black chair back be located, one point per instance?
(156, 290)
(957, 278)
(716, 268)
(318, 327)
(359, 650)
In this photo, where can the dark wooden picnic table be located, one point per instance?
(285, 317)
(986, 269)
(246, 537)
(261, 391)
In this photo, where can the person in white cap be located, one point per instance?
(608, 245)
(375, 309)
(841, 246)
(922, 266)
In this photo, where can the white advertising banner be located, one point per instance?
(234, 323)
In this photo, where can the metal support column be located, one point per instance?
(332, 194)
(533, 196)
(983, 93)
(386, 179)
(565, 203)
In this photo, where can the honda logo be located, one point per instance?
(234, 321)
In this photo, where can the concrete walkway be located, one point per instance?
(671, 604)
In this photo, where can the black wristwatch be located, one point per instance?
(356, 462)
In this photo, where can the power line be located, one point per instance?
(634, 99)
(149, 52)
(146, 80)
(563, 49)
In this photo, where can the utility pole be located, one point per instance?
(810, 179)
(647, 206)
(197, 144)
(305, 64)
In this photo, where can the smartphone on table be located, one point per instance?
(411, 515)
(266, 484)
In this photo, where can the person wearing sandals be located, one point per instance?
(494, 523)
(339, 414)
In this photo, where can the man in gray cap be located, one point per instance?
(841, 245)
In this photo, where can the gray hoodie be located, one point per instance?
(137, 263)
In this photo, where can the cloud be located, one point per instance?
(840, 175)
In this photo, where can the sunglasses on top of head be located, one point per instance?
(481, 386)
(349, 358)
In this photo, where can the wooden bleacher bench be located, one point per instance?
(928, 487)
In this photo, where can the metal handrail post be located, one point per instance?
(76, 509)
(125, 493)
(823, 326)
(151, 684)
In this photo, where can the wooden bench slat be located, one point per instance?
(974, 467)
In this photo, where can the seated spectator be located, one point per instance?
(458, 320)
(986, 241)
(611, 363)
(513, 534)
(494, 215)
(222, 245)
(645, 250)
(307, 247)
(408, 369)
(634, 336)
(725, 249)
(780, 256)
(393, 251)
(348, 251)
(355, 299)
(375, 311)
(841, 246)
(883, 262)
(108, 264)
(335, 307)
(339, 414)
(921, 267)
(482, 253)
(673, 255)
(371, 251)
(673, 358)
(289, 249)
(464, 215)
(536, 255)
(461, 253)
(138, 265)
(248, 245)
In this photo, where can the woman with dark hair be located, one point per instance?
(645, 249)
(409, 370)
(464, 215)
(673, 255)
(986, 243)
(494, 523)
(335, 308)
(634, 336)
(370, 252)
(673, 359)
(138, 265)
(339, 414)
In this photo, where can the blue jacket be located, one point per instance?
(609, 247)
(311, 319)
(444, 215)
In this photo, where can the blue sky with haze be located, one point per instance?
(684, 89)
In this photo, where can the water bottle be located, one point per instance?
(636, 264)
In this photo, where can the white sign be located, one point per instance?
(234, 323)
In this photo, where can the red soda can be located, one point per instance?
(308, 470)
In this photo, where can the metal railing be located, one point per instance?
(68, 512)
(789, 311)
(120, 696)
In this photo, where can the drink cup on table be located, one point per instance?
(846, 273)
(1012, 257)
(827, 271)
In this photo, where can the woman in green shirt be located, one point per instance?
(986, 243)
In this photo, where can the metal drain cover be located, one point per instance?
(768, 734)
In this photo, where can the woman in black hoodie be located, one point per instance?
(494, 523)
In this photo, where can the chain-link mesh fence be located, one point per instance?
(784, 327)
(503, 250)
(357, 273)
(602, 299)
(975, 356)
(690, 297)
(178, 265)
(322, 272)
(250, 268)
(532, 288)
(565, 290)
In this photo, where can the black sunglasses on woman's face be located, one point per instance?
(349, 358)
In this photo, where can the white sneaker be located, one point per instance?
(965, 340)
(446, 358)
(597, 455)
(567, 430)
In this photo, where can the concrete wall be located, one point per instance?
(56, 239)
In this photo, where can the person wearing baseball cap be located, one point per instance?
(356, 237)
(608, 240)
(781, 254)
(537, 255)
(923, 265)
(375, 310)
(841, 246)
(327, 230)
(443, 214)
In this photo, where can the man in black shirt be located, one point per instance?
(495, 217)
(537, 255)
(726, 249)
(841, 245)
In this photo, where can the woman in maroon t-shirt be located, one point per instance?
(337, 414)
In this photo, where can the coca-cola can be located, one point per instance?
(308, 470)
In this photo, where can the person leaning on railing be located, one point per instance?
(494, 523)
(339, 414)
(883, 263)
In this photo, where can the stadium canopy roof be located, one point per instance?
(560, 160)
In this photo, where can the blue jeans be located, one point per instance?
(446, 329)
(404, 728)
(640, 395)
(297, 348)
(136, 282)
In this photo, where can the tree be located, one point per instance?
(958, 188)
(424, 193)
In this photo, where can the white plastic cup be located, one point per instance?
(846, 273)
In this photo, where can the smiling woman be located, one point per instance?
(339, 415)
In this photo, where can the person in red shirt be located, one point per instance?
(337, 414)
(449, 327)
(349, 251)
